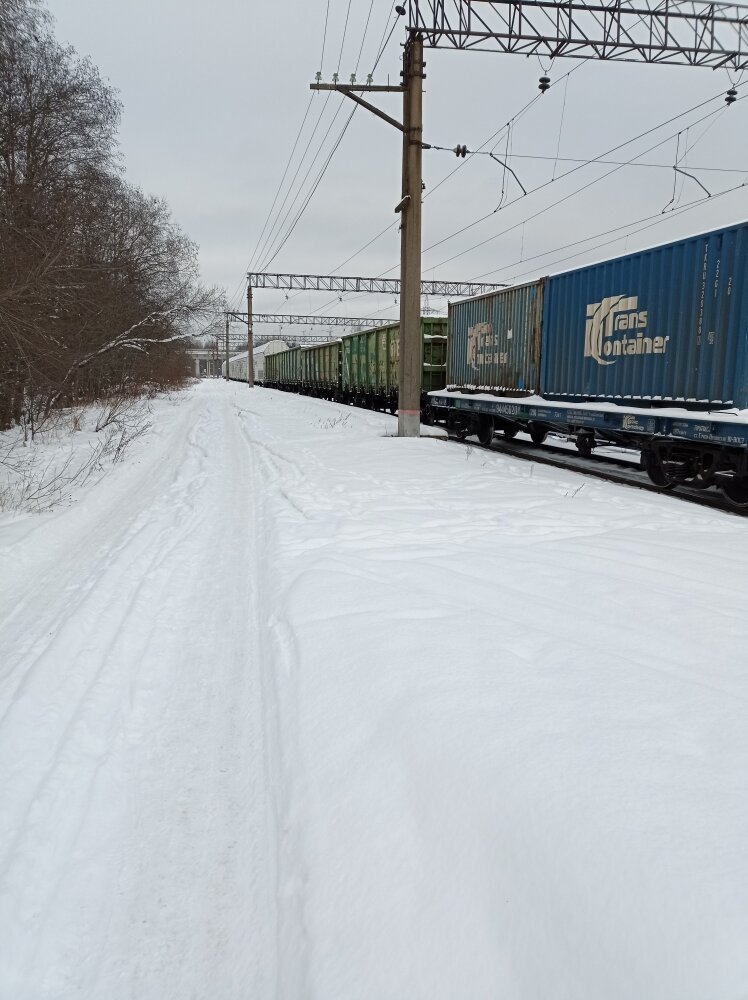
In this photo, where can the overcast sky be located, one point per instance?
(215, 94)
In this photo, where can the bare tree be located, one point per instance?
(99, 287)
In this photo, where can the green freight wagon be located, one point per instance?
(272, 370)
(284, 370)
(369, 364)
(320, 366)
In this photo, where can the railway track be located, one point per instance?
(600, 465)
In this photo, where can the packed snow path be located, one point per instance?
(290, 708)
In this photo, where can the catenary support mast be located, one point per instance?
(250, 339)
(409, 399)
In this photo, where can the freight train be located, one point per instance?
(360, 368)
(646, 351)
(649, 350)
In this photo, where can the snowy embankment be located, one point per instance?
(290, 708)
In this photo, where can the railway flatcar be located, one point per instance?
(649, 350)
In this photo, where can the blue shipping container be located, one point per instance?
(666, 324)
(494, 341)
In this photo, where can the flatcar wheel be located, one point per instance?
(585, 444)
(537, 434)
(485, 431)
(656, 471)
(736, 491)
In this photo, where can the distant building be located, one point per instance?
(207, 362)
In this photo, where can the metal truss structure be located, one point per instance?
(290, 320)
(673, 32)
(294, 338)
(389, 286)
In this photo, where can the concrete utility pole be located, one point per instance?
(409, 398)
(409, 393)
(250, 339)
(227, 348)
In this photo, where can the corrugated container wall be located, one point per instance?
(494, 341)
(666, 324)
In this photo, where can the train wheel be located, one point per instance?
(485, 431)
(537, 434)
(585, 443)
(736, 491)
(656, 471)
(510, 432)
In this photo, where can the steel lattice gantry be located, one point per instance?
(359, 322)
(714, 35)
(266, 338)
(389, 286)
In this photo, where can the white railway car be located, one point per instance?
(238, 363)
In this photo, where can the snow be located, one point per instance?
(290, 707)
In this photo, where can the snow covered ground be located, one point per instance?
(291, 708)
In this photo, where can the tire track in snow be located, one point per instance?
(280, 655)
(110, 689)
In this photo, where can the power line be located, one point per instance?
(568, 173)
(301, 162)
(288, 162)
(324, 37)
(275, 249)
(626, 229)
(515, 118)
(309, 197)
(274, 236)
(562, 177)
(547, 208)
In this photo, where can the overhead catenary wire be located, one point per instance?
(497, 133)
(515, 118)
(581, 163)
(559, 201)
(588, 162)
(573, 170)
(626, 228)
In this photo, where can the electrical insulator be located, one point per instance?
(545, 82)
(731, 96)
(460, 151)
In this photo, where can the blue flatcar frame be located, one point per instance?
(714, 428)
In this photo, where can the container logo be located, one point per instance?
(482, 346)
(616, 328)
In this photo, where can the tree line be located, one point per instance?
(99, 287)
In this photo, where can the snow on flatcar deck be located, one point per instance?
(291, 708)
